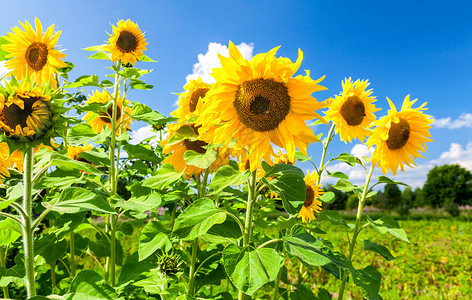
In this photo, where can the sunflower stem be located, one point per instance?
(27, 223)
(3, 255)
(192, 273)
(72, 255)
(357, 229)
(325, 150)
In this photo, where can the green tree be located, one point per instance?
(393, 195)
(406, 201)
(448, 181)
(340, 198)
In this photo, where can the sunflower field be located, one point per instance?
(213, 206)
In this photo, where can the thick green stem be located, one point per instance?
(192, 273)
(72, 255)
(357, 229)
(27, 223)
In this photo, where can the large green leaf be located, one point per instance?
(86, 80)
(200, 160)
(50, 248)
(162, 177)
(10, 231)
(281, 169)
(249, 268)
(369, 279)
(387, 224)
(144, 199)
(15, 275)
(227, 176)
(197, 219)
(74, 199)
(141, 152)
(57, 181)
(291, 188)
(153, 237)
(5, 203)
(380, 249)
(90, 285)
(133, 269)
(81, 133)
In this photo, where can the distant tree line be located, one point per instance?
(447, 186)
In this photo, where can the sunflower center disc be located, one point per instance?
(262, 104)
(353, 111)
(37, 56)
(398, 134)
(127, 42)
(13, 115)
(106, 117)
(196, 95)
(310, 195)
(196, 146)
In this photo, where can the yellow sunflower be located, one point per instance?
(258, 102)
(400, 136)
(26, 114)
(33, 53)
(177, 150)
(195, 91)
(311, 204)
(98, 119)
(127, 42)
(74, 151)
(4, 161)
(353, 112)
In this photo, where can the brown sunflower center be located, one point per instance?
(309, 197)
(127, 42)
(196, 95)
(37, 56)
(398, 134)
(262, 104)
(196, 146)
(13, 115)
(353, 111)
(106, 116)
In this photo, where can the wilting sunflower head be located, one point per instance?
(98, 119)
(191, 99)
(127, 42)
(33, 53)
(258, 102)
(26, 112)
(400, 136)
(311, 204)
(353, 112)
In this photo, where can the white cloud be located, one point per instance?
(209, 60)
(464, 120)
(456, 155)
(360, 150)
(141, 134)
(3, 70)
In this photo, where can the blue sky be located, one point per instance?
(421, 48)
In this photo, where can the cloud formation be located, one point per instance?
(464, 120)
(3, 70)
(209, 60)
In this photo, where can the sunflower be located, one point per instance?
(258, 102)
(4, 161)
(400, 136)
(177, 150)
(195, 91)
(127, 42)
(33, 53)
(26, 115)
(74, 151)
(311, 204)
(353, 112)
(98, 119)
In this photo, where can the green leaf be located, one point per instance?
(197, 219)
(303, 292)
(249, 268)
(142, 152)
(90, 285)
(291, 188)
(139, 85)
(5, 203)
(3, 53)
(153, 237)
(227, 176)
(344, 185)
(327, 197)
(74, 199)
(100, 55)
(15, 274)
(146, 58)
(106, 84)
(384, 179)
(57, 181)
(332, 216)
(96, 157)
(144, 199)
(369, 279)
(86, 80)
(281, 169)
(62, 160)
(50, 248)
(163, 177)
(133, 269)
(338, 174)
(96, 48)
(81, 133)
(10, 231)
(387, 224)
(200, 160)
(349, 159)
(380, 249)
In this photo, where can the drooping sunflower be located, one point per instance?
(127, 42)
(311, 204)
(73, 152)
(177, 150)
(98, 119)
(26, 115)
(33, 53)
(353, 112)
(195, 91)
(258, 102)
(400, 136)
